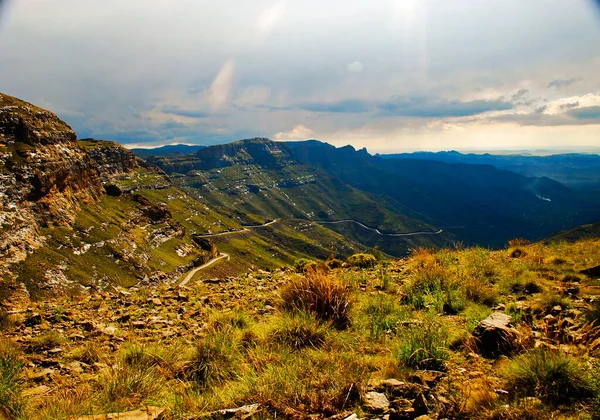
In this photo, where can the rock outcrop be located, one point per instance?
(112, 159)
(44, 176)
(494, 336)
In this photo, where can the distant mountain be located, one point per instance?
(477, 203)
(259, 180)
(573, 169)
(169, 150)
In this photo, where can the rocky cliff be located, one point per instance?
(44, 176)
(113, 160)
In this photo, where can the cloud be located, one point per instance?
(411, 106)
(342, 106)
(520, 93)
(559, 83)
(218, 94)
(355, 67)
(426, 107)
(299, 132)
(268, 20)
(585, 113)
(175, 110)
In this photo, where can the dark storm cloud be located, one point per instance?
(190, 113)
(411, 106)
(586, 113)
(343, 106)
(559, 83)
(431, 108)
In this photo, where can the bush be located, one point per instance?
(551, 376)
(299, 331)
(11, 405)
(361, 260)
(424, 346)
(317, 293)
(301, 265)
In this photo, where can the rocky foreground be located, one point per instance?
(449, 334)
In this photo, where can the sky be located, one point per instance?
(388, 75)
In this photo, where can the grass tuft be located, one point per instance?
(11, 404)
(319, 294)
(552, 376)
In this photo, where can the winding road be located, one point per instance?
(247, 228)
(191, 273)
(231, 232)
(377, 230)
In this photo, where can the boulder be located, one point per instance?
(494, 336)
(593, 272)
(376, 402)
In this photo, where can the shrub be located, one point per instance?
(303, 264)
(424, 346)
(333, 263)
(215, 359)
(317, 293)
(361, 260)
(299, 331)
(11, 405)
(551, 376)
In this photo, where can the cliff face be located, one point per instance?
(44, 176)
(112, 159)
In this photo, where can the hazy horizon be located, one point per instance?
(391, 75)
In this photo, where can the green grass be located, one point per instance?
(11, 404)
(424, 345)
(552, 376)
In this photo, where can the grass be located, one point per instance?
(215, 359)
(424, 345)
(46, 341)
(11, 404)
(552, 376)
(318, 293)
(299, 331)
(271, 338)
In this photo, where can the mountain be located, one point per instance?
(169, 150)
(258, 180)
(589, 231)
(574, 169)
(478, 203)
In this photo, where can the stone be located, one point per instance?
(420, 405)
(593, 272)
(494, 336)
(35, 391)
(32, 320)
(376, 402)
